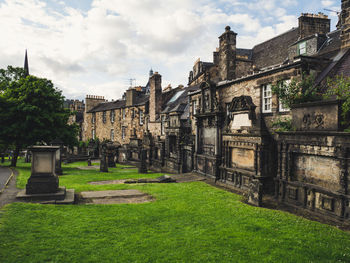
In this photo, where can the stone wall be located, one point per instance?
(313, 172)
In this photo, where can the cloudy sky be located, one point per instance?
(95, 46)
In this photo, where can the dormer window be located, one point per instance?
(302, 48)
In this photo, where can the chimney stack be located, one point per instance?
(226, 57)
(155, 96)
(311, 24)
(345, 24)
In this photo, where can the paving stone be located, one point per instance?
(112, 193)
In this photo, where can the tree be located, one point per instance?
(338, 87)
(297, 91)
(31, 111)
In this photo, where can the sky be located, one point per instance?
(94, 47)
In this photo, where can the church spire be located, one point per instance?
(26, 67)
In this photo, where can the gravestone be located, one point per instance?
(43, 184)
(143, 162)
(43, 177)
(89, 162)
(103, 161)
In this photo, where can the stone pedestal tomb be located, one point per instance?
(43, 184)
(43, 177)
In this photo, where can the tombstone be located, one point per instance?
(27, 158)
(43, 177)
(143, 162)
(103, 161)
(89, 162)
(43, 183)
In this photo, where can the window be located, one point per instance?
(163, 125)
(123, 114)
(123, 132)
(93, 134)
(267, 98)
(227, 109)
(194, 105)
(93, 119)
(141, 117)
(283, 108)
(132, 114)
(302, 48)
(112, 115)
(104, 117)
(112, 135)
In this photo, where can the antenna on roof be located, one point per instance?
(333, 11)
(131, 81)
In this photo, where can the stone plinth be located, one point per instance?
(43, 177)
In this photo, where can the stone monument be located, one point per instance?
(103, 161)
(43, 184)
(143, 162)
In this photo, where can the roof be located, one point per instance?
(179, 101)
(263, 55)
(108, 106)
(245, 53)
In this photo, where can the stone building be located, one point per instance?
(221, 125)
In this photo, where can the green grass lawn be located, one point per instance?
(188, 222)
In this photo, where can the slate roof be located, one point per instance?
(108, 106)
(245, 52)
(180, 104)
(275, 50)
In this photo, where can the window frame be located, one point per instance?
(112, 116)
(104, 116)
(123, 132)
(112, 135)
(302, 48)
(141, 117)
(266, 98)
(123, 113)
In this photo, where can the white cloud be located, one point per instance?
(327, 3)
(96, 51)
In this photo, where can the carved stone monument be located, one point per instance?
(43, 184)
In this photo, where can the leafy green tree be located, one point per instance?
(9, 75)
(31, 111)
(338, 87)
(297, 91)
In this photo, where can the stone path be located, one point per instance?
(114, 197)
(10, 192)
(5, 174)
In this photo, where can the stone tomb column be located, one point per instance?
(43, 177)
